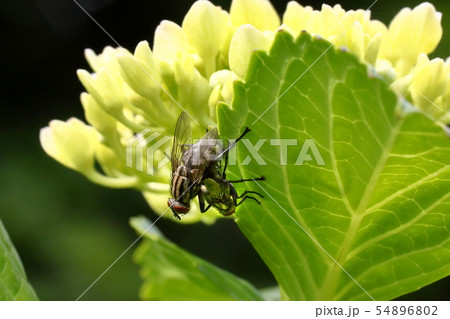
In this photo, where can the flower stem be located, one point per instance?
(112, 182)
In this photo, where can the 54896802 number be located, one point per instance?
(407, 310)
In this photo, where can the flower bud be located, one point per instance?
(71, 143)
(259, 13)
(428, 85)
(105, 87)
(106, 59)
(222, 82)
(410, 33)
(169, 41)
(296, 16)
(207, 29)
(97, 117)
(247, 39)
(141, 74)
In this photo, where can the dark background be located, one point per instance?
(66, 229)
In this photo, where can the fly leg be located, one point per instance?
(224, 172)
(176, 215)
(224, 175)
(225, 151)
(201, 202)
(262, 178)
(247, 197)
(250, 192)
(237, 140)
(244, 196)
(173, 211)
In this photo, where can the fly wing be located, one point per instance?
(209, 145)
(181, 139)
(203, 153)
(211, 134)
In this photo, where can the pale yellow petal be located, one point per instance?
(207, 29)
(429, 81)
(71, 143)
(97, 116)
(140, 76)
(246, 39)
(105, 86)
(259, 13)
(410, 33)
(325, 23)
(296, 16)
(372, 48)
(106, 59)
(169, 40)
(144, 55)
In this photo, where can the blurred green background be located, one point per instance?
(67, 230)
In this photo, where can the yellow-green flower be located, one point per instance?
(429, 88)
(135, 98)
(72, 143)
(410, 33)
(246, 39)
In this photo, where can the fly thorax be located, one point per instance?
(195, 174)
(195, 156)
(214, 171)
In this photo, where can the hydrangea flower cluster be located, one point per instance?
(193, 67)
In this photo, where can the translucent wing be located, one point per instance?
(200, 155)
(208, 144)
(181, 140)
(211, 134)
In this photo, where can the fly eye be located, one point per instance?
(177, 206)
(180, 209)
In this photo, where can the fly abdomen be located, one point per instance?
(180, 184)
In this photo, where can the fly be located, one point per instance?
(220, 193)
(196, 171)
(223, 196)
(189, 163)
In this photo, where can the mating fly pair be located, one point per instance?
(197, 171)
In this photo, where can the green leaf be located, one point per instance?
(379, 207)
(171, 273)
(13, 280)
